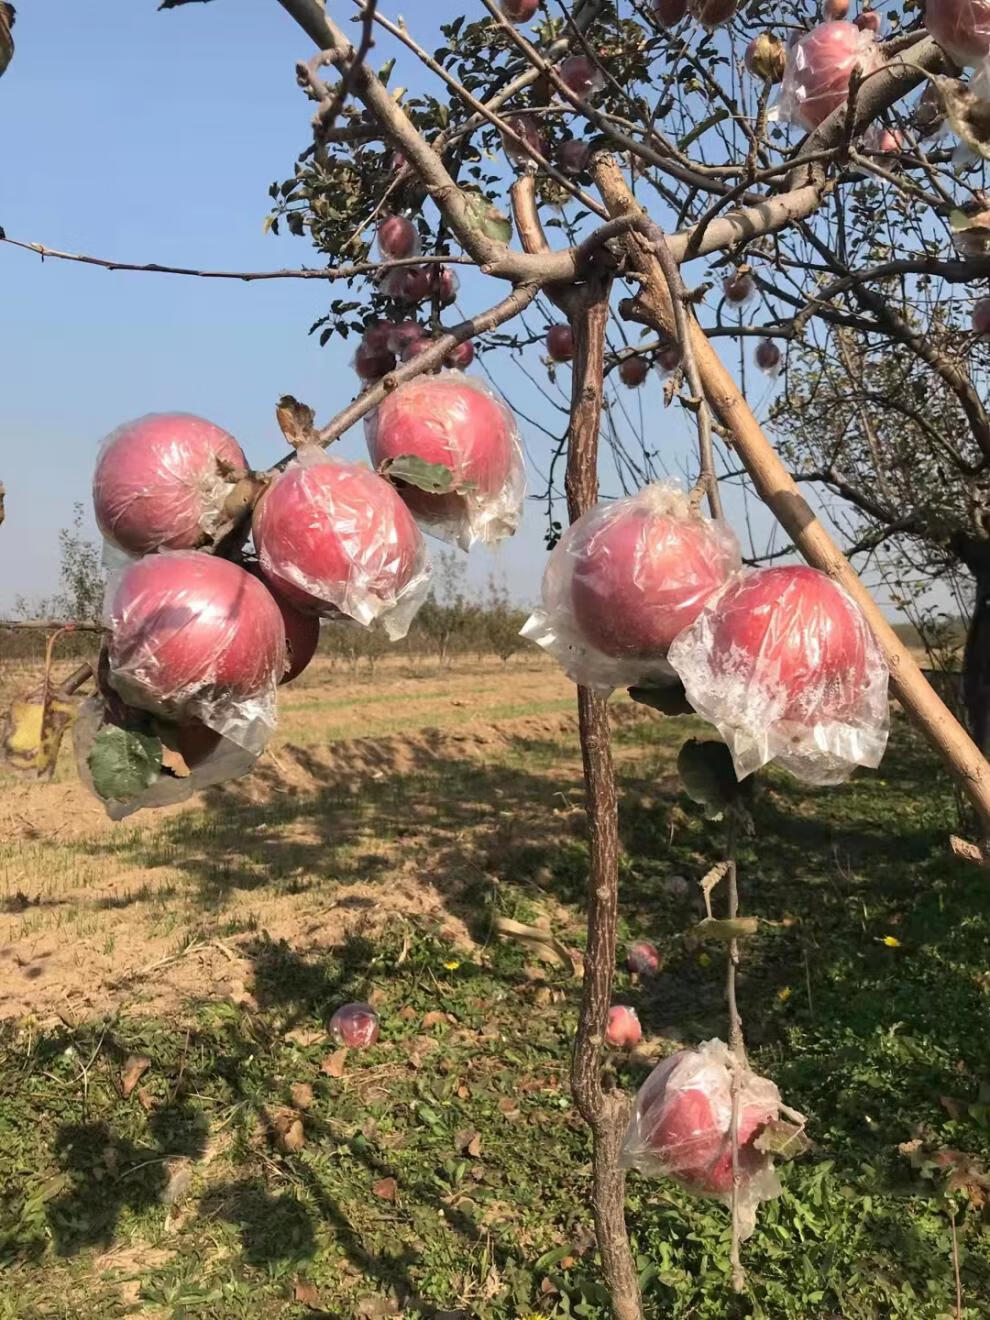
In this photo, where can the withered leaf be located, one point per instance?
(297, 421)
(302, 1095)
(135, 1066)
(386, 1189)
(307, 1294)
(333, 1065)
(784, 1140)
(288, 1131)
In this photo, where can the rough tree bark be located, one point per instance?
(605, 1111)
(976, 659)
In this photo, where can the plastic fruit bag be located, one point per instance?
(195, 637)
(819, 66)
(961, 28)
(335, 539)
(624, 581)
(785, 666)
(457, 422)
(681, 1128)
(162, 480)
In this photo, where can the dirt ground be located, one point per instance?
(97, 916)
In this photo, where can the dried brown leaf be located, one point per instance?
(302, 1095)
(333, 1065)
(386, 1189)
(307, 1294)
(135, 1066)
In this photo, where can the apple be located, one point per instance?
(161, 482)
(961, 27)
(408, 284)
(443, 284)
(526, 127)
(981, 318)
(397, 238)
(793, 631)
(738, 288)
(372, 363)
(713, 12)
(669, 13)
(819, 68)
(302, 631)
(835, 9)
(560, 343)
(668, 358)
(573, 156)
(190, 630)
(643, 958)
(519, 11)
(355, 1025)
(399, 334)
(868, 21)
(623, 1030)
(455, 421)
(334, 538)
(693, 1139)
(461, 356)
(766, 57)
(633, 371)
(581, 75)
(767, 356)
(643, 569)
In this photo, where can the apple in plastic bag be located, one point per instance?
(334, 538)
(452, 421)
(190, 628)
(623, 1029)
(961, 27)
(644, 575)
(355, 1025)
(819, 69)
(643, 958)
(697, 1147)
(161, 482)
(669, 13)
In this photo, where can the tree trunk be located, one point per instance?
(605, 1112)
(976, 661)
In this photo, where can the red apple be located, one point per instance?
(407, 284)
(397, 238)
(669, 358)
(443, 284)
(302, 631)
(767, 356)
(738, 288)
(355, 1025)
(793, 630)
(161, 482)
(560, 343)
(643, 958)
(695, 1141)
(573, 156)
(334, 538)
(623, 1030)
(526, 127)
(452, 420)
(835, 9)
(981, 318)
(633, 371)
(868, 21)
(961, 27)
(581, 75)
(669, 13)
(400, 334)
(819, 69)
(461, 356)
(643, 569)
(191, 629)
(519, 11)
(373, 363)
(713, 12)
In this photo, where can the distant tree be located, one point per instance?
(81, 579)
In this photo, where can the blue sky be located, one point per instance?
(148, 136)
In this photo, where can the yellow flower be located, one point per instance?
(784, 993)
(703, 959)
(452, 966)
(891, 941)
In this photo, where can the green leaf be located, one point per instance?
(488, 218)
(669, 699)
(701, 128)
(739, 928)
(434, 478)
(123, 763)
(785, 1140)
(707, 773)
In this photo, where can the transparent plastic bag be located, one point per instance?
(681, 1128)
(336, 539)
(624, 581)
(785, 666)
(454, 420)
(225, 761)
(961, 28)
(819, 66)
(161, 481)
(195, 637)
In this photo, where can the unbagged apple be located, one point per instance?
(643, 958)
(355, 1025)
(767, 356)
(190, 629)
(161, 482)
(460, 356)
(519, 11)
(397, 238)
(334, 538)
(623, 1029)
(560, 343)
(961, 27)
(738, 287)
(644, 571)
(371, 362)
(633, 371)
(581, 75)
(450, 420)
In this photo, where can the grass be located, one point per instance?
(445, 1172)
